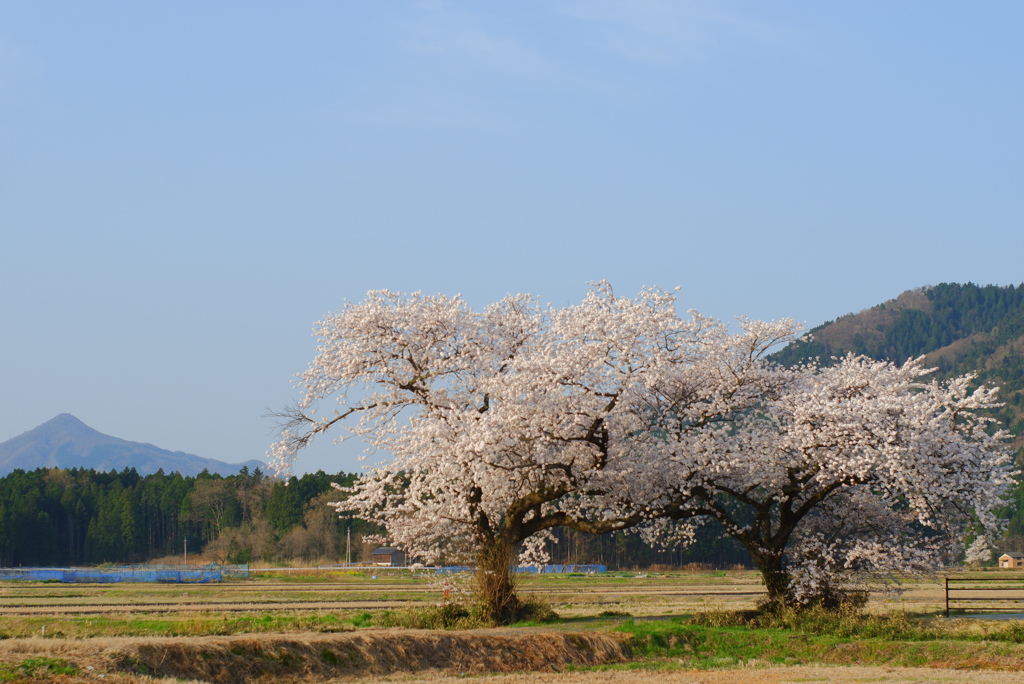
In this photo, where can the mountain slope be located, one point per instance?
(957, 328)
(66, 442)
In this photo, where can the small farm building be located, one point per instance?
(389, 556)
(1011, 560)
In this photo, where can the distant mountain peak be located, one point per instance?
(64, 441)
(65, 422)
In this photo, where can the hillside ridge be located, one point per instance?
(957, 328)
(64, 441)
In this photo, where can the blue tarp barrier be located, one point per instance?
(532, 569)
(178, 574)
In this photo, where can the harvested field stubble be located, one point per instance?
(638, 594)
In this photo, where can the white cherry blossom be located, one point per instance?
(505, 423)
(847, 475)
(508, 422)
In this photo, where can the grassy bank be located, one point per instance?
(706, 641)
(717, 640)
(306, 657)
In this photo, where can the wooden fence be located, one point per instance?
(985, 594)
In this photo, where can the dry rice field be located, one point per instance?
(99, 626)
(317, 592)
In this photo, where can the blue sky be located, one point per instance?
(186, 187)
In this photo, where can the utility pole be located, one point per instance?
(348, 544)
(186, 550)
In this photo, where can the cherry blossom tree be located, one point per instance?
(848, 474)
(505, 423)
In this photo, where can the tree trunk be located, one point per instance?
(776, 578)
(495, 583)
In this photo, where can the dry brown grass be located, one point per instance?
(321, 657)
(756, 675)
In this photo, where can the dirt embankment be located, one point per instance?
(410, 657)
(801, 674)
(321, 657)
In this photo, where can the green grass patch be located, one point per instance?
(34, 668)
(201, 625)
(364, 619)
(717, 640)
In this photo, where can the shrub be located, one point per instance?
(536, 610)
(847, 621)
(447, 616)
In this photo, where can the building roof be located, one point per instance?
(1013, 554)
(386, 550)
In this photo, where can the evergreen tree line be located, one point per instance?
(79, 516)
(957, 312)
(628, 550)
(59, 517)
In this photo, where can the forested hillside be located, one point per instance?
(958, 329)
(61, 517)
(70, 517)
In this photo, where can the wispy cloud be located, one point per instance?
(663, 31)
(442, 28)
(449, 53)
